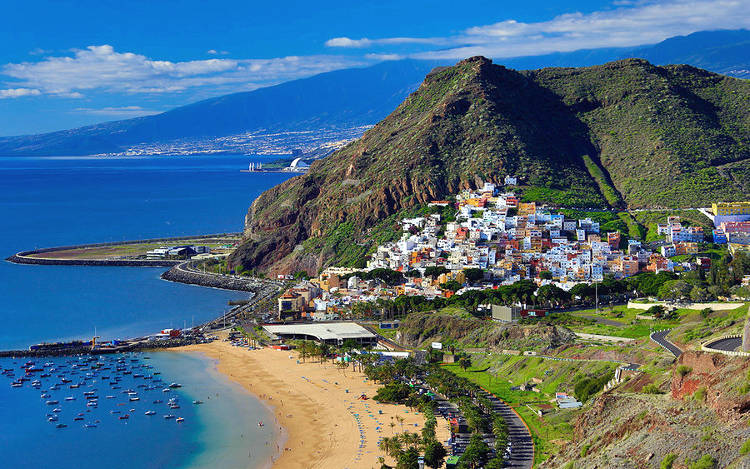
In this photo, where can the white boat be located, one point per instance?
(150, 412)
(180, 419)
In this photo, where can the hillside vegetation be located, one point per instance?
(626, 133)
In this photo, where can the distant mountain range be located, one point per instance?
(343, 99)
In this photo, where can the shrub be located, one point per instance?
(651, 388)
(700, 394)
(745, 448)
(683, 370)
(585, 450)
(705, 462)
(668, 460)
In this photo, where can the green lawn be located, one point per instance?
(631, 328)
(507, 371)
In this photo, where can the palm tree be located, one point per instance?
(401, 421)
(303, 350)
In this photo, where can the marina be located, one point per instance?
(85, 377)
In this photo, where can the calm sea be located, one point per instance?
(56, 201)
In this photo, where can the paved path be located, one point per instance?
(730, 345)
(660, 337)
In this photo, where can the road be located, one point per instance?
(730, 345)
(522, 455)
(660, 337)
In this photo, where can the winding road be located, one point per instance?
(660, 337)
(729, 344)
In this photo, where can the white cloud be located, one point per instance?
(102, 68)
(384, 56)
(631, 23)
(18, 92)
(365, 42)
(216, 52)
(123, 111)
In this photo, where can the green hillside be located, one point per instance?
(621, 134)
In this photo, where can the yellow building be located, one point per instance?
(525, 209)
(730, 208)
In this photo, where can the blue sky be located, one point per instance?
(67, 63)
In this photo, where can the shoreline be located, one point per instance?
(323, 424)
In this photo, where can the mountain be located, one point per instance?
(347, 98)
(722, 51)
(627, 133)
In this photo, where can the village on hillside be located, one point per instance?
(487, 238)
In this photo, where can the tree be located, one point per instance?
(475, 454)
(451, 285)
(408, 459)
(435, 271)
(434, 454)
(474, 275)
(545, 275)
(464, 362)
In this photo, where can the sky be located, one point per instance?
(67, 63)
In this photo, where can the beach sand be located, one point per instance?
(325, 426)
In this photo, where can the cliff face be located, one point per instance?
(624, 133)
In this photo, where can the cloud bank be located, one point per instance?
(102, 68)
(631, 24)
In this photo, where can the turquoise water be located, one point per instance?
(57, 201)
(221, 432)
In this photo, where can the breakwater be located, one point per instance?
(141, 346)
(26, 257)
(186, 272)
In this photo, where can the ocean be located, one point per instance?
(59, 201)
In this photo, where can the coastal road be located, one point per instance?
(660, 337)
(522, 454)
(730, 344)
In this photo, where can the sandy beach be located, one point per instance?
(325, 423)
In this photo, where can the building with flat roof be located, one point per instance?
(333, 333)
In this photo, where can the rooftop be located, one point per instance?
(323, 331)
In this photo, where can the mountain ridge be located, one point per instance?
(661, 136)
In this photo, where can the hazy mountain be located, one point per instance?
(350, 97)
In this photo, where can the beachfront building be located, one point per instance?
(332, 333)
